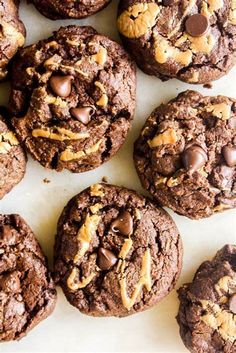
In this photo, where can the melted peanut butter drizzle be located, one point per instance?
(145, 275)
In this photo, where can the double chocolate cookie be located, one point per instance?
(12, 159)
(194, 41)
(27, 292)
(186, 154)
(12, 34)
(207, 313)
(73, 98)
(116, 253)
(57, 9)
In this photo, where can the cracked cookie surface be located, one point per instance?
(207, 313)
(194, 41)
(27, 292)
(12, 159)
(186, 154)
(73, 98)
(12, 34)
(116, 253)
(57, 9)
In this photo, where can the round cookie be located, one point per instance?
(194, 41)
(12, 34)
(207, 313)
(116, 253)
(27, 291)
(57, 9)
(73, 98)
(186, 154)
(12, 159)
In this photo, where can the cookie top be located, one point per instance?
(194, 41)
(207, 313)
(116, 253)
(27, 291)
(73, 98)
(186, 154)
(12, 159)
(12, 34)
(57, 9)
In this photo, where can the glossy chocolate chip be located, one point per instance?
(229, 153)
(123, 224)
(106, 259)
(82, 114)
(61, 85)
(194, 157)
(232, 304)
(197, 25)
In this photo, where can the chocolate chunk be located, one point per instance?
(82, 114)
(197, 25)
(232, 304)
(123, 224)
(229, 153)
(61, 85)
(106, 259)
(194, 158)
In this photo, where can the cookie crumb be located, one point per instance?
(105, 179)
(46, 181)
(208, 85)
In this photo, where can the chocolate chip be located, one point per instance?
(106, 259)
(61, 85)
(194, 157)
(197, 25)
(232, 304)
(82, 114)
(123, 224)
(229, 153)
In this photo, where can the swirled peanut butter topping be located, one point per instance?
(167, 137)
(144, 281)
(138, 19)
(61, 134)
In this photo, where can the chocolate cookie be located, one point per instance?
(194, 41)
(73, 98)
(207, 313)
(116, 253)
(57, 9)
(186, 154)
(12, 34)
(27, 292)
(12, 159)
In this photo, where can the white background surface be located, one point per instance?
(66, 330)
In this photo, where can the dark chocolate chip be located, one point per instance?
(123, 224)
(232, 304)
(197, 25)
(61, 85)
(229, 153)
(194, 158)
(106, 259)
(82, 114)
